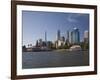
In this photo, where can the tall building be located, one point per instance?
(46, 38)
(60, 40)
(58, 35)
(70, 37)
(75, 36)
(67, 39)
(63, 38)
(86, 36)
(40, 42)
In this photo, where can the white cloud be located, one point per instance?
(73, 17)
(70, 19)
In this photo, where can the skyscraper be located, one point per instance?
(63, 38)
(46, 38)
(58, 35)
(75, 36)
(70, 37)
(86, 36)
(40, 42)
(67, 37)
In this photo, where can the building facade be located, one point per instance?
(67, 36)
(75, 36)
(60, 40)
(86, 36)
(58, 35)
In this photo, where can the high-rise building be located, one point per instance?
(58, 35)
(75, 36)
(40, 42)
(46, 38)
(86, 36)
(70, 37)
(63, 38)
(60, 39)
(67, 39)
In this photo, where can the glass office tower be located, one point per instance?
(75, 36)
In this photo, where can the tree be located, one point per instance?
(24, 48)
(84, 45)
(67, 45)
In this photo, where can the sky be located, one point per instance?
(36, 23)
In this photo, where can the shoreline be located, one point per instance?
(58, 50)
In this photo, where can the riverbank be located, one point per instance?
(56, 50)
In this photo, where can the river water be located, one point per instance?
(54, 59)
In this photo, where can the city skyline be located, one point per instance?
(36, 23)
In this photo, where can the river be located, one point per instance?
(54, 59)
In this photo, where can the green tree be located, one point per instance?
(24, 48)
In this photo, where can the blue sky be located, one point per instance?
(35, 23)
